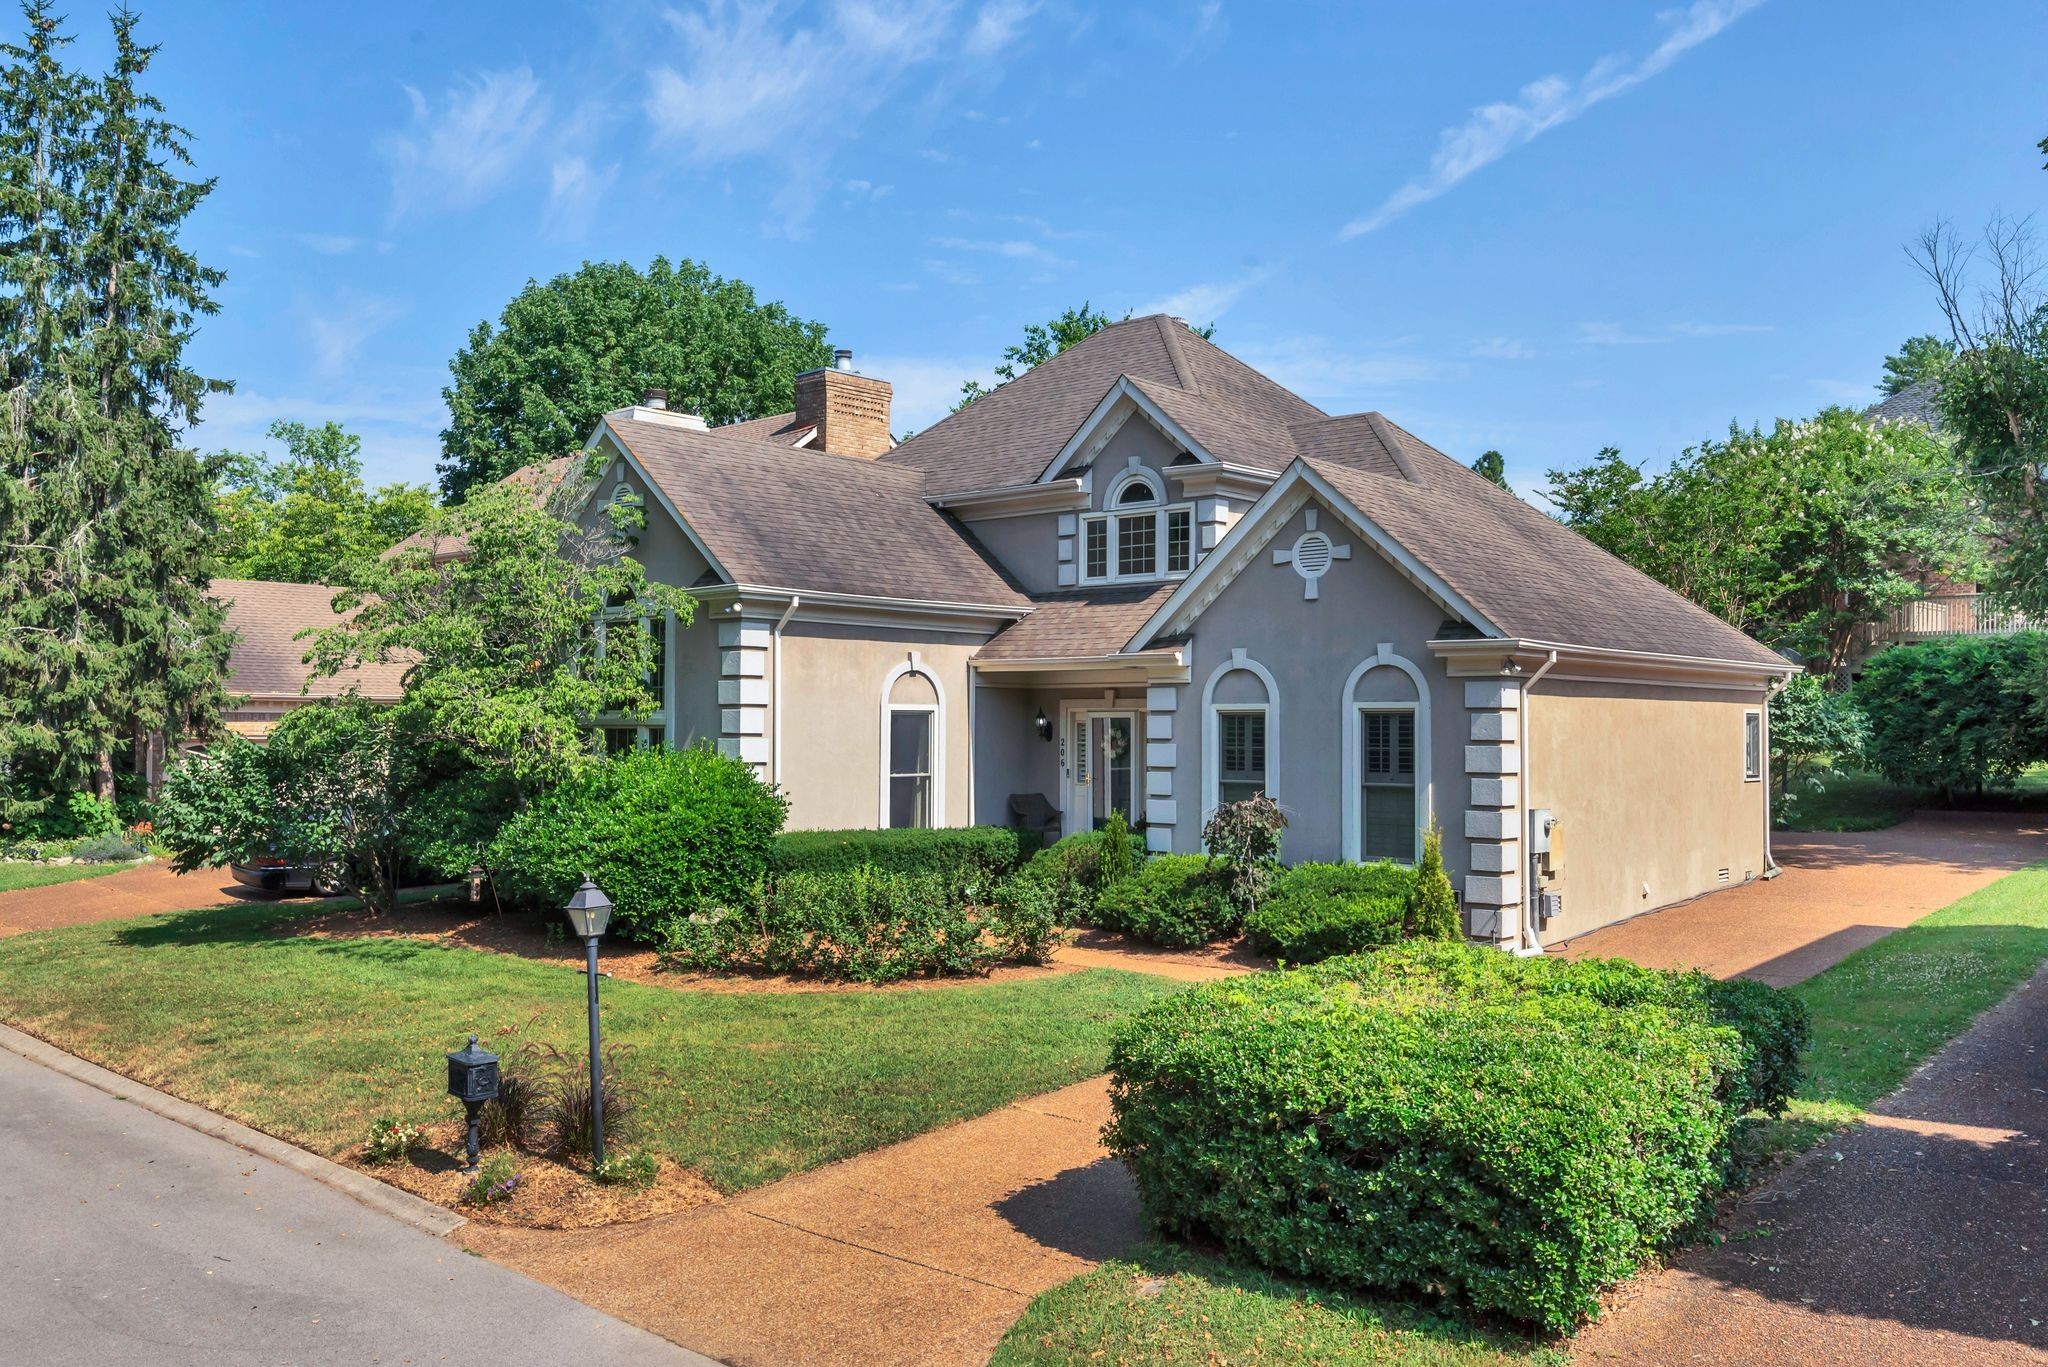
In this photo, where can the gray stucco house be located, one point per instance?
(1144, 577)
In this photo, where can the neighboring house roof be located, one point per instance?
(1918, 402)
(1081, 625)
(1007, 436)
(774, 516)
(269, 659)
(545, 477)
(777, 427)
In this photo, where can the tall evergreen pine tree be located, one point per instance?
(108, 641)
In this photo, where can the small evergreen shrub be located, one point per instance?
(1178, 900)
(977, 854)
(391, 1140)
(1318, 911)
(1120, 852)
(660, 830)
(1434, 1118)
(1433, 909)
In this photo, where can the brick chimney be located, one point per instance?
(850, 410)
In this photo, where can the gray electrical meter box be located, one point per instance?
(1539, 830)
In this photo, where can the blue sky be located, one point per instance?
(1542, 228)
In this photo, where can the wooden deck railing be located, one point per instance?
(1955, 614)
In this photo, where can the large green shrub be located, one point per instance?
(864, 924)
(1318, 911)
(1070, 872)
(1516, 1134)
(661, 831)
(1960, 713)
(1180, 900)
(981, 853)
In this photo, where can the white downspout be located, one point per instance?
(1529, 945)
(775, 694)
(1772, 690)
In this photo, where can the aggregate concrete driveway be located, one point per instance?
(144, 890)
(126, 1238)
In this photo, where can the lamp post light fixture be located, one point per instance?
(590, 911)
(472, 1080)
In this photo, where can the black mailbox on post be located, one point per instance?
(473, 1080)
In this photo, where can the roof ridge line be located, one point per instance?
(1181, 372)
(1383, 430)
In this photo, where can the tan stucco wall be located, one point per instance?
(1647, 784)
(831, 717)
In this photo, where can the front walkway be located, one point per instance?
(1918, 1237)
(1837, 894)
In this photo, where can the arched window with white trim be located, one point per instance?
(1387, 798)
(913, 748)
(1240, 728)
(1138, 536)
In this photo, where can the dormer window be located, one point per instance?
(1142, 538)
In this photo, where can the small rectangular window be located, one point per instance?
(619, 739)
(1137, 544)
(1096, 531)
(657, 669)
(910, 767)
(1752, 746)
(1180, 542)
(1241, 755)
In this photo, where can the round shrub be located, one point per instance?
(1070, 870)
(1317, 911)
(1434, 1118)
(1179, 900)
(660, 831)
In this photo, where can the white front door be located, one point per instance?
(1101, 758)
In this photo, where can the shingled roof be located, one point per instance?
(1918, 402)
(269, 659)
(1080, 625)
(786, 517)
(1009, 435)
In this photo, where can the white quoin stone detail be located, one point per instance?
(1490, 825)
(1496, 792)
(1161, 699)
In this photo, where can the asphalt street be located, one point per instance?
(126, 1238)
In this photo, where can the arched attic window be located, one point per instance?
(1136, 492)
(1138, 536)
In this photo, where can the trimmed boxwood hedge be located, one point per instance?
(977, 852)
(1318, 911)
(1434, 1118)
(1179, 900)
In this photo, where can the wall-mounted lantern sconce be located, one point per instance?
(1044, 726)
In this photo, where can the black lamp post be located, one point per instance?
(472, 1080)
(590, 911)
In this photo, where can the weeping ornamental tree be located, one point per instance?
(109, 645)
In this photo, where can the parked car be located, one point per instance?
(282, 875)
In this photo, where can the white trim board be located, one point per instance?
(1425, 777)
(1239, 659)
(940, 759)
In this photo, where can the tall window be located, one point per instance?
(1752, 746)
(1140, 539)
(1241, 755)
(1387, 774)
(910, 765)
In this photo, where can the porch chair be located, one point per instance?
(1033, 812)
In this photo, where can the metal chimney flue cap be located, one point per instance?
(842, 359)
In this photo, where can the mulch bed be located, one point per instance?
(526, 935)
(552, 1194)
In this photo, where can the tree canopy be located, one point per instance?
(1801, 536)
(1043, 341)
(306, 518)
(108, 640)
(1917, 359)
(562, 354)
(1493, 466)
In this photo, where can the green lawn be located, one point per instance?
(1877, 1016)
(1857, 800)
(311, 1039)
(26, 875)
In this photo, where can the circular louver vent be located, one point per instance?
(1312, 554)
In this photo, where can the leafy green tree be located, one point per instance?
(1803, 536)
(519, 643)
(1493, 466)
(564, 353)
(1994, 395)
(1043, 341)
(108, 641)
(1919, 358)
(1959, 714)
(307, 519)
(1814, 732)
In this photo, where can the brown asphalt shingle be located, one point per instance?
(782, 517)
(1083, 625)
(776, 427)
(267, 660)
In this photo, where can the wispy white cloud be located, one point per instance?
(576, 190)
(1719, 329)
(340, 244)
(1205, 302)
(1497, 129)
(1340, 377)
(997, 26)
(470, 144)
(1502, 349)
(1010, 248)
(337, 330)
(1614, 334)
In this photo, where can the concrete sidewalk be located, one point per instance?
(1918, 1237)
(126, 1238)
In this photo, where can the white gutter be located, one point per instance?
(775, 693)
(1771, 869)
(1528, 944)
